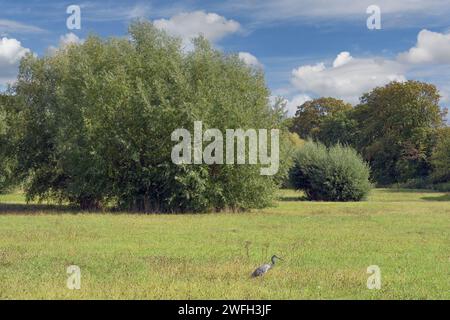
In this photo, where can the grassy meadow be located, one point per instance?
(326, 247)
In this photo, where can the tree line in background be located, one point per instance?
(90, 124)
(399, 129)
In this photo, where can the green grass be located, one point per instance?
(15, 197)
(326, 247)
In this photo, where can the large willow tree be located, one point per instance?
(94, 124)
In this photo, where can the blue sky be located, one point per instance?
(307, 48)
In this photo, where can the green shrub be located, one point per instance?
(334, 174)
(96, 119)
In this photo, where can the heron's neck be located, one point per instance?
(273, 260)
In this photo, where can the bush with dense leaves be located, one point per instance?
(337, 173)
(95, 121)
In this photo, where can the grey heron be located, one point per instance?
(265, 267)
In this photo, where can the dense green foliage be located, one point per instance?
(441, 157)
(339, 128)
(310, 115)
(6, 145)
(91, 124)
(95, 121)
(439, 179)
(330, 174)
(394, 127)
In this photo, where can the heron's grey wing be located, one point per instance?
(258, 272)
(261, 270)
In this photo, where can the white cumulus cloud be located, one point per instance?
(188, 25)
(342, 58)
(250, 59)
(347, 78)
(69, 38)
(11, 51)
(64, 41)
(295, 102)
(431, 47)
